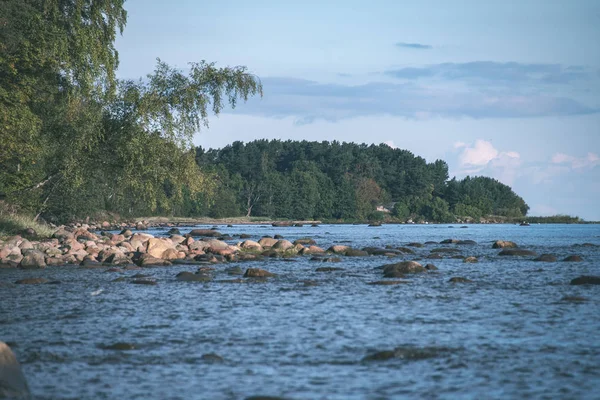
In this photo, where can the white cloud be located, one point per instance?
(391, 144)
(589, 161)
(479, 155)
(483, 158)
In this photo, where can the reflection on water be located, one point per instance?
(518, 330)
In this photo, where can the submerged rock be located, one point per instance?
(517, 252)
(586, 280)
(545, 258)
(573, 258)
(191, 277)
(409, 353)
(387, 283)
(328, 269)
(459, 279)
(471, 260)
(31, 281)
(13, 384)
(257, 273)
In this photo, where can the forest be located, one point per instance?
(77, 141)
(346, 181)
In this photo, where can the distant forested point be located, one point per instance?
(345, 181)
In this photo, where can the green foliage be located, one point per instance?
(75, 140)
(347, 181)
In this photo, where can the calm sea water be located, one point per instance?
(509, 334)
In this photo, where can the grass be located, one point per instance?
(15, 224)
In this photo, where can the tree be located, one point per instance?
(77, 140)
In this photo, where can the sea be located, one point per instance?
(518, 330)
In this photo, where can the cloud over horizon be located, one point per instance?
(308, 100)
(416, 46)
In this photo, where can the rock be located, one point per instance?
(276, 237)
(459, 279)
(13, 384)
(257, 273)
(516, 252)
(355, 253)
(126, 232)
(213, 358)
(172, 254)
(338, 249)
(375, 224)
(144, 282)
(205, 233)
(586, 280)
(267, 242)
(280, 224)
(305, 241)
(173, 231)
(312, 250)
(376, 251)
(34, 259)
(504, 244)
(574, 299)
(62, 233)
(387, 283)
(404, 267)
(177, 239)
(157, 246)
(471, 260)
(405, 250)
(146, 260)
(546, 258)
(234, 271)
(449, 241)
(245, 236)
(251, 245)
(573, 258)
(283, 245)
(31, 281)
(466, 242)
(415, 244)
(191, 277)
(117, 258)
(431, 267)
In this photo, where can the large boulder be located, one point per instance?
(32, 260)
(251, 245)
(305, 241)
(586, 280)
(401, 268)
(13, 384)
(283, 245)
(205, 233)
(338, 249)
(267, 242)
(311, 250)
(504, 244)
(157, 246)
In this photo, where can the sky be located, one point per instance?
(507, 89)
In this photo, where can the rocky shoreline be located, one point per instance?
(86, 247)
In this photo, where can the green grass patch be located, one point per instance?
(15, 224)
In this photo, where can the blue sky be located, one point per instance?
(505, 89)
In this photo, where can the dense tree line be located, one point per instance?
(75, 140)
(345, 181)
